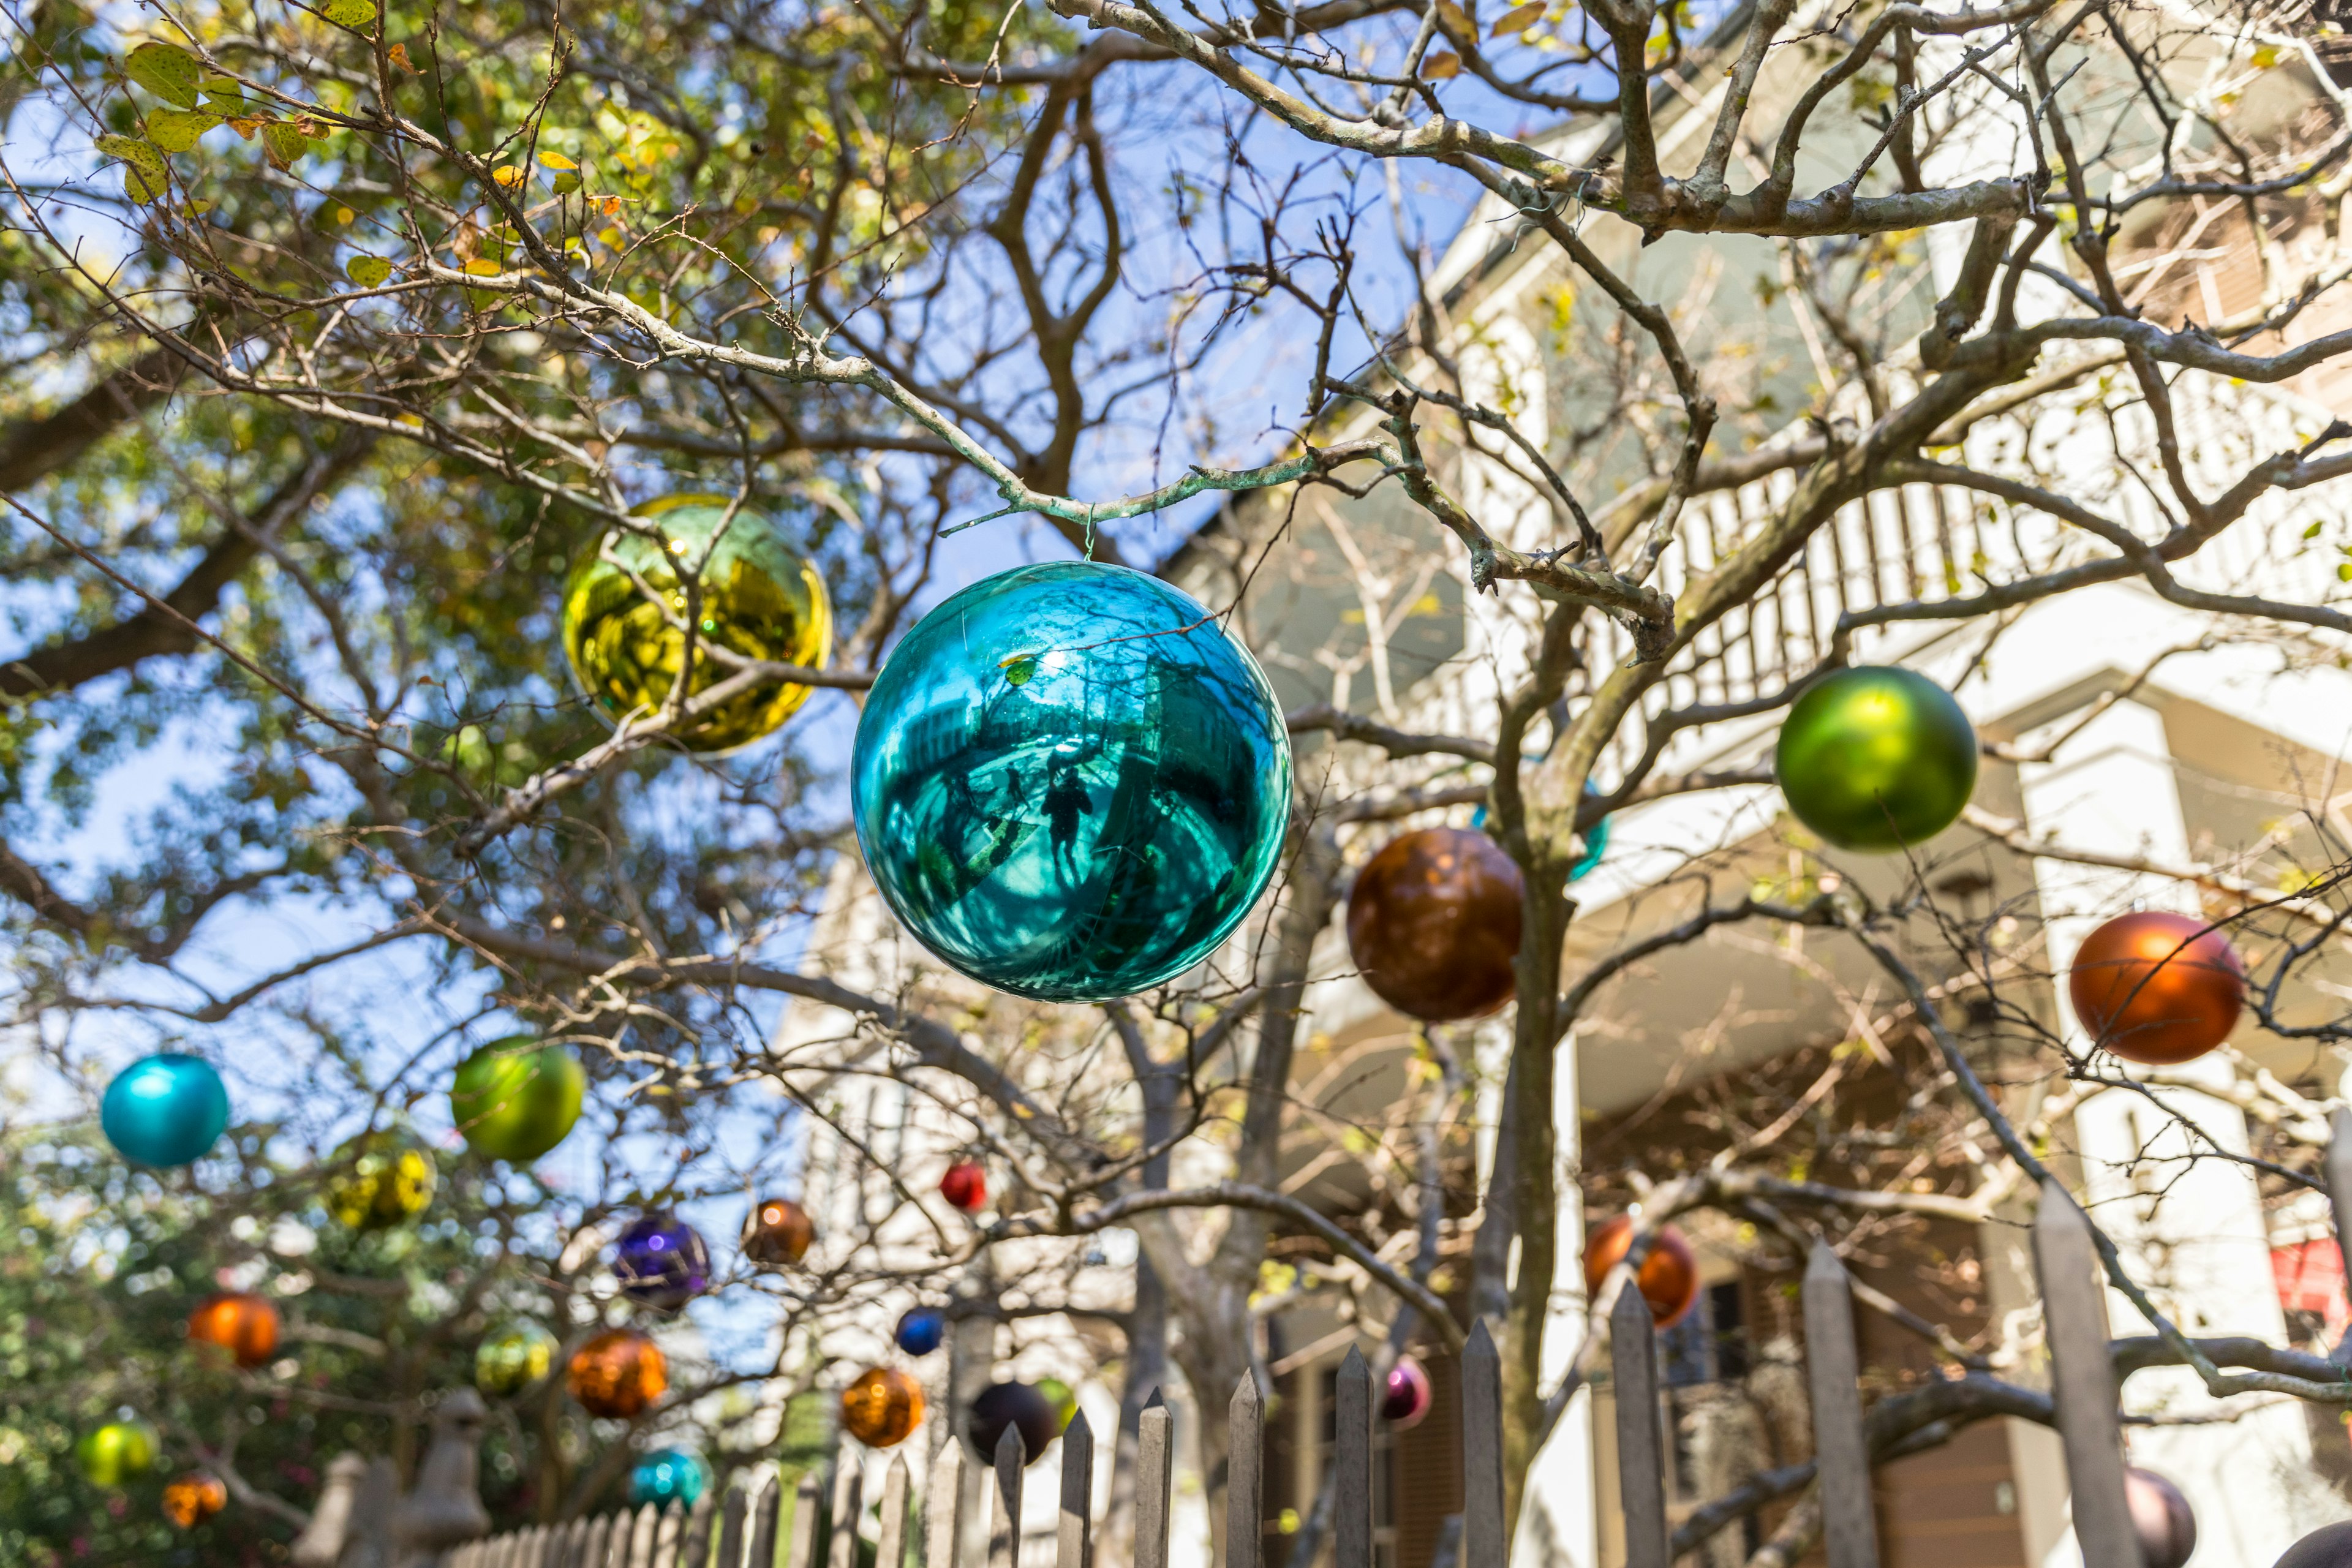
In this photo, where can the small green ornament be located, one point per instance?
(117, 1452)
(625, 608)
(512, 1357)
(516, 1098)
(1876, 758)
(381, 1179)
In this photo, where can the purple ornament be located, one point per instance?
(1405, 1401)
(661, 1262)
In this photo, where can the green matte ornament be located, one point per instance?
(1069, 783)
(1876, 758)
(516, 1098)
(626, 605)
(117, 1452)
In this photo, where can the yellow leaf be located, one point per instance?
(555, 160)
(176, 129)
(1457, 21)
(1441, 67)
(398, 55)
(1519, 19)
(507, 174)
(367, 271)
(167, 71)
(483, 266)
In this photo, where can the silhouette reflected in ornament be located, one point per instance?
(661, 1262)
(1069, 783)
(164, 1110)
(882, 1408)
(625, 604)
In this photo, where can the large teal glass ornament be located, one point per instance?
(668, 1475)
(1069, 783)
(1875, 758)
(164, 1110)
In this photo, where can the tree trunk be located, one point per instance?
(1535, 1201)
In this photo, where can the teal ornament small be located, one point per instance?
(1070, 784)
(1594, 839)
(164, 1110)
(667, 1476)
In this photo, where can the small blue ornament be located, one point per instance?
(164, 1110)
(921, 1330)
(1070, 784)
(660, 1261)
(667, 1475)
(1595, 838)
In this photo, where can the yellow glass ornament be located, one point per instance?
(380, 1179)
(625, 609)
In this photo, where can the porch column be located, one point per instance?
(2192, 1232)
(1557, 1524)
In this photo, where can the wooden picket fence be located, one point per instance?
(743, 1531)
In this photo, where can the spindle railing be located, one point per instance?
(743, 1530)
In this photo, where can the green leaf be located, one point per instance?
(139, 187)
(565, 184)
(176, 129)
(224, 97)
(350, 12)
(282, 140)
(166, 70)
(137, 153)
(2313, 531)
(2344, 573)
(367, 271)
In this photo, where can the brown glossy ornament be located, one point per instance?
(2160, 1518)
(779, 1232)
(242, 1324)
(618, 1373)
(189, 1500)
(882, 1407)
(1434, 923)
(1668, 1279)
(2156, 988)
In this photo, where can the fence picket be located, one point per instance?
(848, 1503)
(806, 1499)
(1352, 1495)
(1834, 1371)
(694, 1551)
(730, 1528)
(760, 1549)
(1482, 1450)
(1004, 1533)
(575, 1545)
(2082, 1380)
(641, 1538)
(891, 1546)
(1641, 1459)
(535, 1547)
(1245, 1473)
(1154, 1452)
(595, 1544)
(1074, 1544)
(943, 1508)
(669, 1525)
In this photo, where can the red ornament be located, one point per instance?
(1668, 1279)
(190, 1499)
(2158, 988)
(1433, 924)
(242, 1324)
(965, 1185)
(618, 1373)
(779, 1232)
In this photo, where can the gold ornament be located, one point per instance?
(625, 609)
(380, 1179)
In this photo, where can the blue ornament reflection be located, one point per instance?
(921, 1330)
(164, 1110)
(667, 1475)
(1070, 784)
(660, 1261)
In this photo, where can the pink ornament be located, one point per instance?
(1405, 1402)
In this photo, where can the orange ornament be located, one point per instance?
(1669, 1277)
(618, 1373)
(242, 1324)
(779, 1232)
(2158, 988)
(882, 1407)
(191, 1499)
